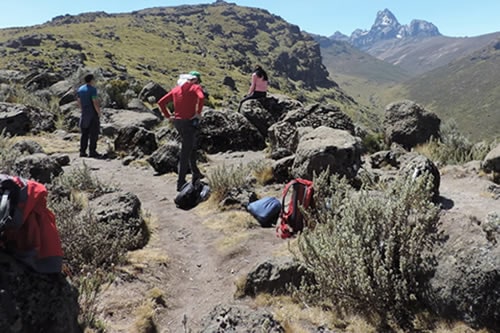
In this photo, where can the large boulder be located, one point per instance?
(409, 124)
(123, 208)
(284, 135)
(275, 276)
(282, 169)
(135, 141)
(258, 116)
(34, 302)
(228, 131)
(491, 162)
(466, 282)
(240, 318)
(152, 92)
(137, 105)
(27, 147)
(18, 119)
(327, 148)
(39, 167)
(415, 165)
(166, 158)
(37, 81)
(126, 118)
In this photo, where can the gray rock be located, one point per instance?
(39, 303)
(152, 90)
(240, 319)
(258, 116)
(238, 197)
(124, 209)
(28, 147)
(60, 88)
(228, 131)
(385, 158)
(416, 165)
(127, 118)
(282, 169)
(275, 276)
(409, 124)
(466, 282)
(491, 162)
(283, 134)
(166, 158)
(37, 81)
(137, 105)
(61, 159)
(39, 167)
(136, 141)
(327, 148)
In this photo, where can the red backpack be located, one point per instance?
(31, 232)
(292, 220)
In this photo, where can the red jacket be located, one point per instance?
(188, 101)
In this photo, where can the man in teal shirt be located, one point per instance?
(89, 119)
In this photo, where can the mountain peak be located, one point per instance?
(387, 27)
(386, 18)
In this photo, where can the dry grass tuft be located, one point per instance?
(144, 318)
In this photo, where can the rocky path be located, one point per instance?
(199, 275)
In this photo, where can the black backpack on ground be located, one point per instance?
(191, 194)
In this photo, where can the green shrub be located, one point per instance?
(8, 155)
(116, 91)
(81, 180)
(367, 249)
(455, 148)
(223, 179)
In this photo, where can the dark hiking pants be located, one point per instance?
(188, 133)
(89, 137)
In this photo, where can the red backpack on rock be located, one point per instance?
(28, 226)
(292, 220)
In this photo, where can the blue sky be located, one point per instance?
(452, 17)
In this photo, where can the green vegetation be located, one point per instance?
(454, 148)
(367, 249)
(158, 44)
(92, 249)
(465, 90)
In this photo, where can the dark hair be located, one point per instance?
(261, 73)
(88, 78)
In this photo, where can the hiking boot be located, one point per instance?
(83, 155)
(180, 185)
(96, 155)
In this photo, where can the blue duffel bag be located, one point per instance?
(265, 210)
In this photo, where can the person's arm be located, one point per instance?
(97, 107)
(201, 99)
(252, 86)
(162, 104)
(95, 101)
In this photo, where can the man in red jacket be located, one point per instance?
(188, 100)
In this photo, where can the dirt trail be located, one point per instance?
(199, 275)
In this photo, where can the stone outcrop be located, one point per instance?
(409, 124)
(326, 148)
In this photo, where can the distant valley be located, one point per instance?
(456, 77)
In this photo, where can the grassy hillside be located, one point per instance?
(466, 90)
(420, 55)
(222, 41)
(359, 74)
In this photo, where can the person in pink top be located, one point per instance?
(258, 88)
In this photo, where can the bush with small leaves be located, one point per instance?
(223, 179)
(454, 148)
(8, 156)
(368, 248)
